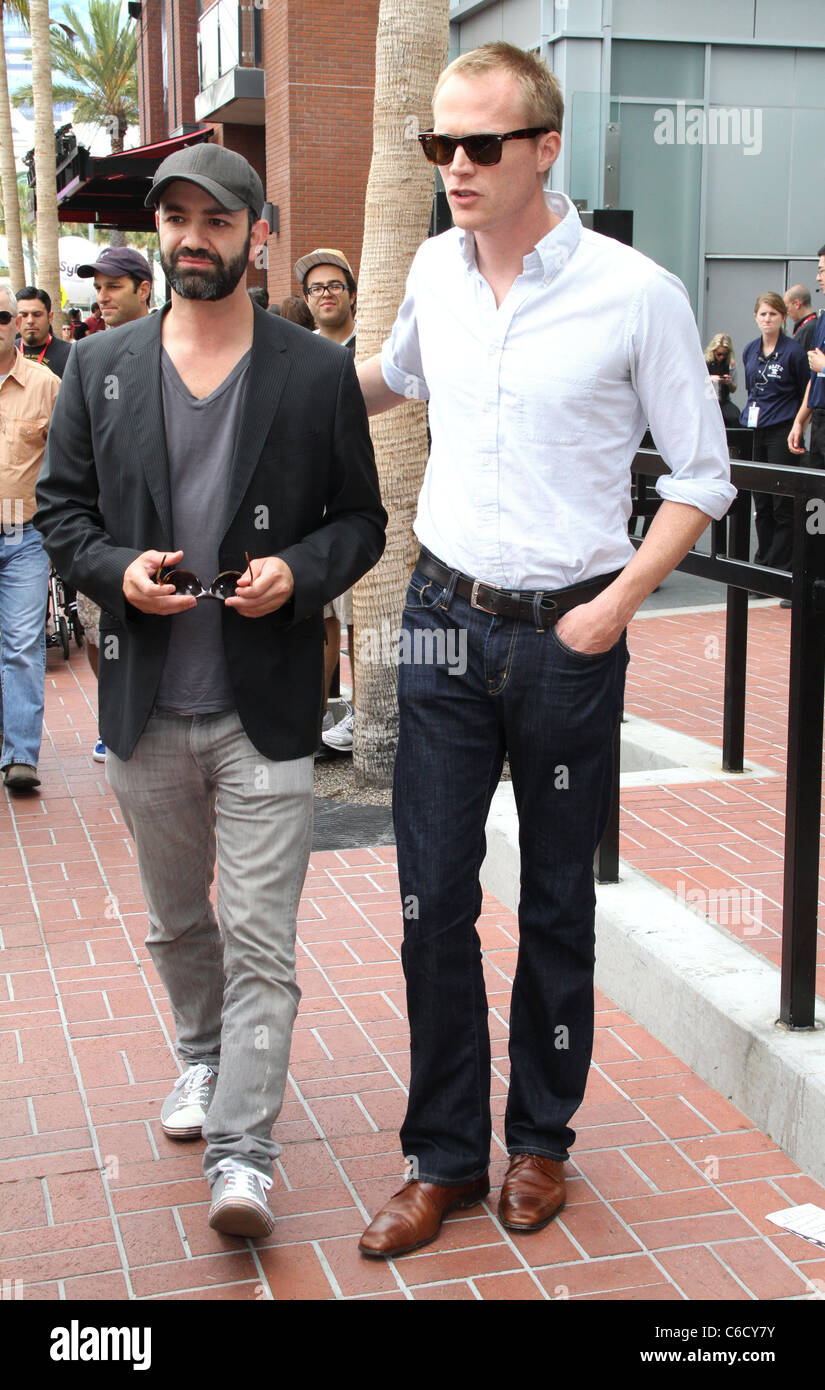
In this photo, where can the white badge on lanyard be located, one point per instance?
(753, 416)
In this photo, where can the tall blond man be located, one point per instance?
(522, 520)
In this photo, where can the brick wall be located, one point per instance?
(319, 57)
(319, 60)
(150, 73)
(182, 48)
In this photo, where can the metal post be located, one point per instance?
(736, 641)
(804, 785)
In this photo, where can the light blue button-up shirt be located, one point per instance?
(537, 406)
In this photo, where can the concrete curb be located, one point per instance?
(707, 997)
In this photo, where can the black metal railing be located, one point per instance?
(728, 564)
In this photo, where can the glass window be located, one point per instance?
(649, 69)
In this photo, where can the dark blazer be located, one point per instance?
(302, 485)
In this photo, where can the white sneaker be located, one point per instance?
(239, 1200)
(184, 1110)
(339, 737)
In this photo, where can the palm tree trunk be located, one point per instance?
(44, 158)
(117, 235)
(8, 175)
(411, 50)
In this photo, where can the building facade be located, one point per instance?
(288, 84)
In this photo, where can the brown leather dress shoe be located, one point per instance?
(413, 1215)
(533, 1192)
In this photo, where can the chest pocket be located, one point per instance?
(28, 438)
(554, 401)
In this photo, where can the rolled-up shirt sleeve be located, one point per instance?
(677, 394)
(401, 364)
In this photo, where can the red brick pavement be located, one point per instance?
(670, 1184)
(719, 845)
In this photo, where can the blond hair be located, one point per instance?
(540, 90)
(719, 340)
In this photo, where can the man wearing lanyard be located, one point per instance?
(525, 557)
(813, 405)
(35, 327)
(802, 316)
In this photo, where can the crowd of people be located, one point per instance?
(219, 439)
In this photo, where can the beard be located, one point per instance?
(203, 284)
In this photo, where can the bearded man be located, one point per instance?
(211, 484)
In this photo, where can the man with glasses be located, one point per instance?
(211, 484)
(331, 301)
(329, 289)
(801, 314)
(27, 395)
(522, 520)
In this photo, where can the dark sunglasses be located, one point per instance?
(5, 317)
(479, 149)
(185, 582)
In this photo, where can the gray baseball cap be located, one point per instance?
(223, 173)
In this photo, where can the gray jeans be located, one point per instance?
(191, 781)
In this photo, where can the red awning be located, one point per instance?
(110, 191)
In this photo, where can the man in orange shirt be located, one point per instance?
(27, 395)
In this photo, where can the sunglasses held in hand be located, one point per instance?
(479, 149)
(185, 582)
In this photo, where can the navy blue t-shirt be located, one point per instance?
(816, 395)
(775, 383)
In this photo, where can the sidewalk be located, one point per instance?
(669, 1186)
(722, 835)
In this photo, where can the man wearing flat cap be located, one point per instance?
(329, 289)
(211, 483)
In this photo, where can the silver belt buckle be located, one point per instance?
(474, 603)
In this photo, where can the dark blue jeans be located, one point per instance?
(554, 712)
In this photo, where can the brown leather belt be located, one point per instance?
(544, 607)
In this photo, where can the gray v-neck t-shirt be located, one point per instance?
(200, 444)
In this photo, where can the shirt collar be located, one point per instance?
(553, 251)
(18, 371)
(781, 340)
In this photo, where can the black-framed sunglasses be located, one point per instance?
(185, 582)
(5, 317)
(479, 149)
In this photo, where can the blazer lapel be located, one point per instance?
(147, 422)
(268, 371)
